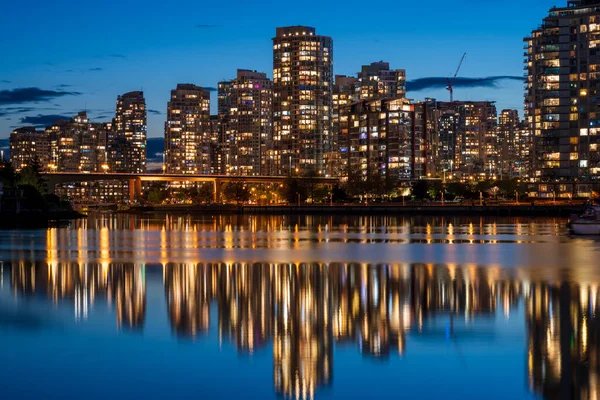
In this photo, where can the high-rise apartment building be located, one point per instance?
(385, 140)
(508, 142)
(188, 135)
(28, 145)
(77, 145)
(246, 103)
(377, 81)
(302, 99)
(127, 141)
(561, 99)
(467, 137)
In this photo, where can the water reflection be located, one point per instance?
(120, 285)
(303, 310)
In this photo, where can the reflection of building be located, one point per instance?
(302, 336)
(305, 309)
(127, 289)
(563, 341)
(188, 291)
(83, 284)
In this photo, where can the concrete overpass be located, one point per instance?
(135, 180)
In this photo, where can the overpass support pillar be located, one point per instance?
(217, 184)
(135, 190)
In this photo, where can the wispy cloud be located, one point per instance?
(416, 85)
(96, 69)
(5, 81)
(15, 111)
(43, 119)
(154, 112)
(208, 26)
(117, 56)
(210, 88)
(31, 95)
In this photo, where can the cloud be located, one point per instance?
(63, 85)
(155, 112)
(31, 95)
(208, 26)
(209, 88)
(96, 69)
(5, 81)
(117, 56)
(416, 85)
(15, 111)
(44, 119)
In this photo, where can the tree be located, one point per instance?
(420, 189)
(236, 192)
(204, 194)
(8, 176)
(292, 190)
(31, 175)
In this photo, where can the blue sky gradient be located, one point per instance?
(97, 50)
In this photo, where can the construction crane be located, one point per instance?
(450, 86)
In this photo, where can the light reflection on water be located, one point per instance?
(302, 297)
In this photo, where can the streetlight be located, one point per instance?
(517, 196)
(298, 199)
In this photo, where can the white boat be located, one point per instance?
(588, 223)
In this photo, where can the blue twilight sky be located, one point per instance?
(75, 55)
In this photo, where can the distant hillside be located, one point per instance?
(5, 145)
(154, 149)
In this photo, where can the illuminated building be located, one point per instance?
(302, 99)
(127, 140)
(377, 81)
(29, 145)
(188, 136)
(382, 140)
(508, 142)
(524, 143)
(467, 137)
(77, 145)
(561, 99)
(345, 92)
(246, 103)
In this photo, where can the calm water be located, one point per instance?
(159, 306)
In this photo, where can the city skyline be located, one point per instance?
(90, 77)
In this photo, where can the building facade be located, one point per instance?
(561, 100)
(247, 103)
(188, 134)
(384, 141)
(77, 145)
(127, 141)
(467, 138)
(302, 99)
(377, 81)
(508, 142)
(29, 145)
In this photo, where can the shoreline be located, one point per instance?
(541, 210)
